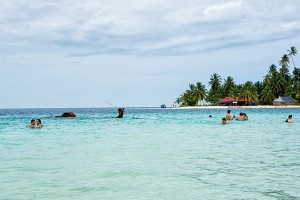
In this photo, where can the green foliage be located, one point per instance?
(248, 92)
(192, 96)
(267, 95)
(255, 102)
(275, 83)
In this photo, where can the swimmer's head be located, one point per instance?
(223, 121)
(32, 122)
(290, 116)
(228, 111)
(38, 121)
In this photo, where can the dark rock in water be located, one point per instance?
(163, 106)
(121, 112)
(67, 114)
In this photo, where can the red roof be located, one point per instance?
(227, 100)
(231, 99)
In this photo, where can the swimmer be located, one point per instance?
(245, 117)
(210, 116)
(224, 121)
(240, 117)
(289, 119)
(228, 116)
(39, 123)
(32, 124)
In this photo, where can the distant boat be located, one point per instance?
(163, 106)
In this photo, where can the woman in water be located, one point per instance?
(289, 119)
(39, 123)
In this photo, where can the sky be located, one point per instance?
(64, 54)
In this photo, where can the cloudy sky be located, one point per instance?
(71, 53)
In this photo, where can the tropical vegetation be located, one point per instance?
(280, 80)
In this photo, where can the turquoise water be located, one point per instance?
(150, 154)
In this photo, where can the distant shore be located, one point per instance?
(226, 107)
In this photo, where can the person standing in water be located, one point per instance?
(39, 123)
(228, 116)
(121, 112)
(32, 124)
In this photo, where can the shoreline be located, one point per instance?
(243, 107)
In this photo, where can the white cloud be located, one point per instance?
(222, 7)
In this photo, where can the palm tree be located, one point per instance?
(267, 94)
(178, 101)
(267, 79)
(292, 52)
(187, 98)
(278, 84)
(272, 70)
(258, 87)
(297, 91)
(248, 92)
(200, 91)
(235, 92)
(284, 61)
(215, 82)
(296, 76)
(228, 85)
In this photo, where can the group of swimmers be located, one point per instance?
(35, 123)
(243, 117)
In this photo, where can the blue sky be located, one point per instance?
(135, 52)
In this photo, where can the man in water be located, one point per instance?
(121, 112)
(228, 116)
(32, 124)
(289, 119)
(224, 121)
(39, 123)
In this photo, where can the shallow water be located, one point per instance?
(150, 154)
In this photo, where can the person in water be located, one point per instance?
(121, 112)
(210, 116)
(289, 119)
(39, 123)
(228, 116)
(224, 121)
(240, 117)
(245, 117)
(32, 124)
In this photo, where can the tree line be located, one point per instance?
(277, 82)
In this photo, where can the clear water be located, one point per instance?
(149, 154)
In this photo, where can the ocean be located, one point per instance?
(151, 153)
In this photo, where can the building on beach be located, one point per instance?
(282, 101)
(230, 101)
